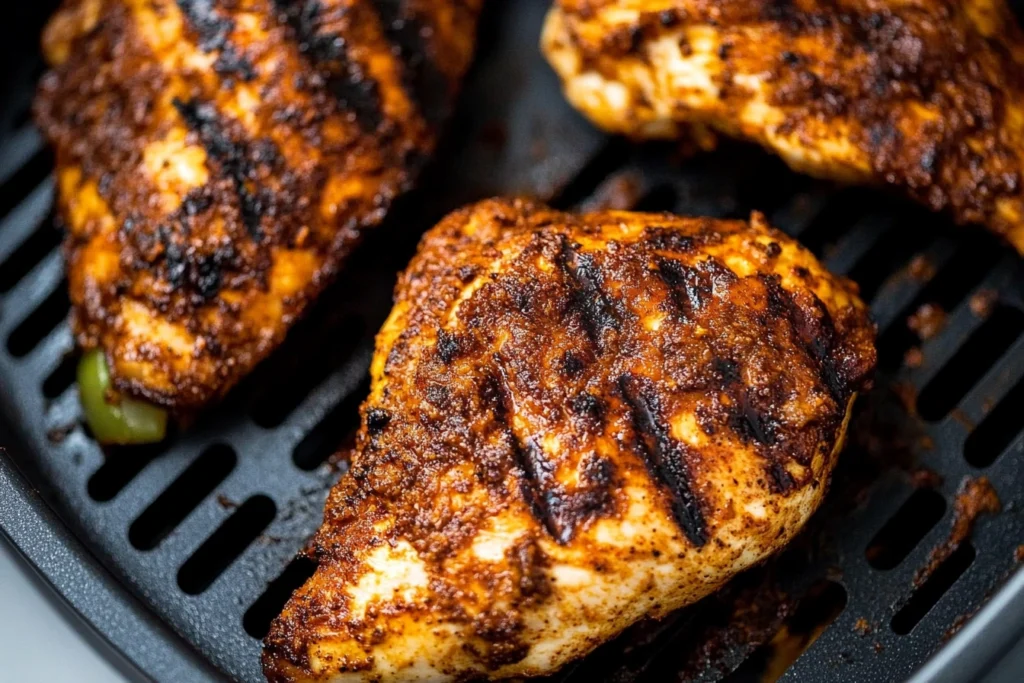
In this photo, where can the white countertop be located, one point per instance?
(38, 643)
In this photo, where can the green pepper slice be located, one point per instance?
(125, 421)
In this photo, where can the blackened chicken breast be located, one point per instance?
(575, 422)
(218, 159)
(922, 96)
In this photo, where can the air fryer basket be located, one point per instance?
(181, 554)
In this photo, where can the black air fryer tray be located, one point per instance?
(180, 555)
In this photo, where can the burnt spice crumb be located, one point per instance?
(377, 420)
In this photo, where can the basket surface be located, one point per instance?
(192, 541)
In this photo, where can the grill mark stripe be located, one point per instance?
(232, 158)
(819, 346)
(589, 297)
(353, 89)
(537, 483)
(685, 285)
(424, 82)
(750, 423)
(665, 461)
(782, 481)
(756, 423)
(538, 487)
(213, 31)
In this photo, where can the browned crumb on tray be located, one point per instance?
(975, 497)
(927, 321)
(983, 302)
(921, 268)
(913, 358)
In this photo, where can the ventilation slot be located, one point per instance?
(662, 198)
(612, 157)
(822, 604)
(28, 255)
(28, 178)
(961, 275)
(335, 432)
(893, 250)
(40, 322)
(935, 586)
(901, 534)
(122, 464)
(302, 365)
(266, 608)
(835, 219)
(226, 544)
(24, 113)
(979, 353)
(998, 430)
(770, 197)
(179, 499)
(61, 379)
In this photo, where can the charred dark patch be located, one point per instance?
(438, 395)
(529, 563)
(780, 479)
(670, 17)
(751, 423)
(746, 418)
(598, 472)
(693, 287)
(689, 288)
(493, 395)
(501, 630)
(718, 274)
(558, 511)
(664, 239)
(448, 346)
(571, 365)
(195, 203)
(409, 37)
(235, 160)
(665, 458)
(208, 274)
(588, 406)
(596, 496)
(588, 299)
(174, 257)
(345, 80)
(816, 332)
(541, 491)
(377, 420)
(214, 31)
(197, 273)
(726, 370)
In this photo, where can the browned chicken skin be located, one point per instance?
(925, 96)
(574, 422)
(218, 159)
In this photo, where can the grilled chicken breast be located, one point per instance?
(925, 96)
(574, 422)
(217, 160)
